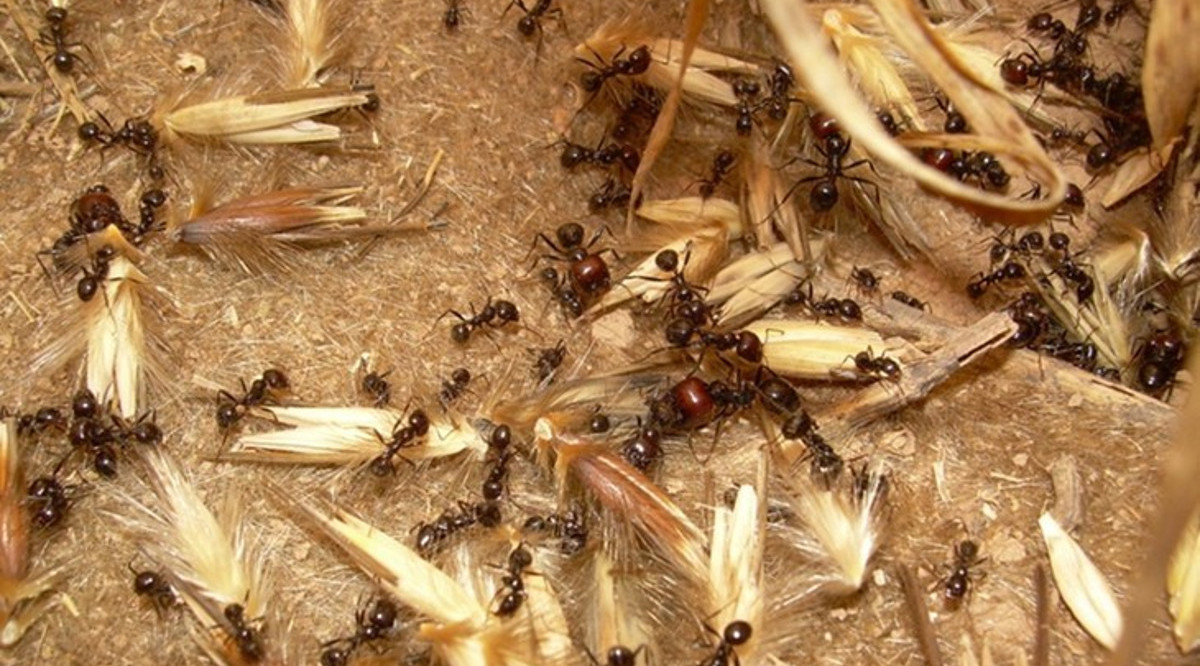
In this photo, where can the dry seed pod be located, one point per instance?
(271, 117)
(812, 350)
(347, 436)
(1085, 590)
(703, 252)
(735, 565)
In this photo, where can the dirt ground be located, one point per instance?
(495, 104)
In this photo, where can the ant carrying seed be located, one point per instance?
(495, 314)
(370, 625)
(262, 391)
(721, 166)
(512, 594)
(451, 390)
(736, 633)
(548, 360)
(958, 583)
(247, 638)
(454, 14)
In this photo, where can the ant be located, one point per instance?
(1010, 270)
(618, 655)
(248, 640)
(231, 409)
(736, 633)
(958, 583)
(454, 388)
(867, 281)
(548, 360)
(89, 284)
(876, 367)
(889, 122)
(611, 194)
(513, 594)
(824, 195)
(688, 405)
(375, 385)
(566, 295)
(643, 449)
(1159, 359)
(636, 63)
(494, 313)
(49, 499)
(454, 14)
(599, 423)
(780, 81)
(588, 272)
(153, 585)
(404, 432)
(746, 91)
(721, 166)
(531, 23)
(431, 535)
(844, 309)
(370, 626)
(956, 123)
(909, 300)
(55, 36)
(569, 526)
(498, 442)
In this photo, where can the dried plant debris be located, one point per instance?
(25, 594)
(216, 565)
(1085, 590)
(1183, 586)
(279, 117)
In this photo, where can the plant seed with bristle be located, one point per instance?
(735, 565)
(1085, 590)
(812, 350)
(238, 119)
(1183, 586)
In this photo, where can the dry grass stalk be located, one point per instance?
(23, 598)
(914, 594)
(271, 117)
(1084, 589)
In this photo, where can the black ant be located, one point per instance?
(746, 91)
(876, 367)
(531, 23)
(736, 633)
(636, 63)
(498, 443)
(866, 280)
(612, 194)
(1159, 359)
(231, 409)
(780, 81)
(721, 166)
(956, 123)
(1010, 270)
(495, 313)
(958, 583)
(563, 292)
(569, 527)
(588, 272)
(548, 360)
(89, 284)
(643, 449)
(618, 655)
(612, 154)
(513, 594)
(371, 625)
(247, 638)
(824, 195)
(889, 122)
(844, 309)
(153, 585)
(430, 536)
(404, 434)
(454, 14)
(909, 300)
(50, 501)
(55, 36)
(451, 390)
(376, 385)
